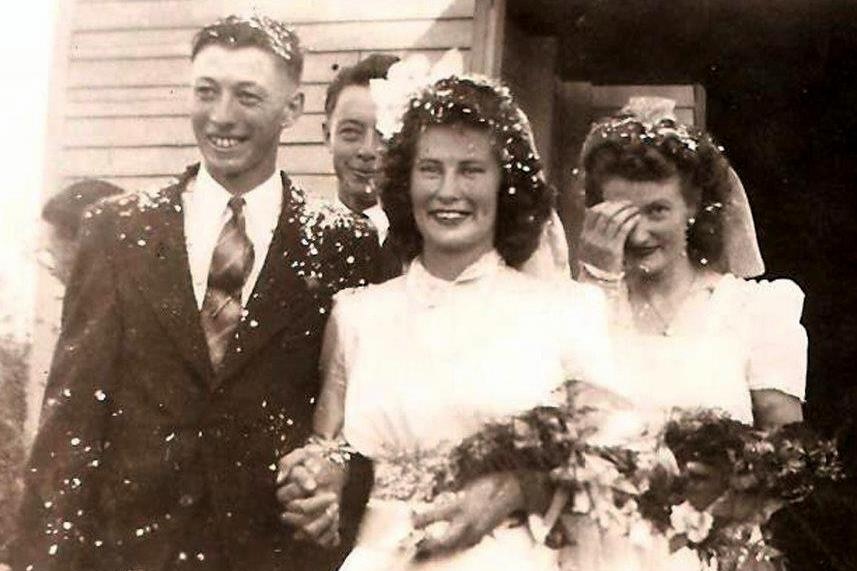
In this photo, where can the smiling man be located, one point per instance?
(357, 149)
(188, 358)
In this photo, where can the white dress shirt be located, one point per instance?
(376, 216)
(206, 210)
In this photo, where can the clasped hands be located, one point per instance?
(309, 490)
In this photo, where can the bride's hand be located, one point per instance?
(476, 511)
(605, 229)
(309, 489)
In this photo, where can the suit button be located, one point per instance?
(186, 500)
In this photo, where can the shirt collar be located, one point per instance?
(431, 290)
(376, 216)
(258, 198)
(379, 219)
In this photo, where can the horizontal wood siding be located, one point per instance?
(125, 117)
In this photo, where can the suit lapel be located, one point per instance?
(163, 276)
(279, 294)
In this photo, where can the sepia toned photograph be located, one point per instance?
(429, 285)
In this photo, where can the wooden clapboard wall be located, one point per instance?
(125, 115)
(119, 101)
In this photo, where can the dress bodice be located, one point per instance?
(729, 337)
(426, 360)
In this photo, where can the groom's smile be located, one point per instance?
(242, 100)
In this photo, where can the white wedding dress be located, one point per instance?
(426, 361)
(730, 337)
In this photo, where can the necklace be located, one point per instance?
(665, 323)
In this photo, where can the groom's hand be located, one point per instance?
(481, 507)
(309, 491)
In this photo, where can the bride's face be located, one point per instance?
(659, 239)
(455, 180)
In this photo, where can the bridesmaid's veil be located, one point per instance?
(741, 254)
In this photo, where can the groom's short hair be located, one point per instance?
(261, 32)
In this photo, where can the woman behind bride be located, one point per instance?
(669, 237)
(462, 338)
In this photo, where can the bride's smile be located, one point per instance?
(454, 184)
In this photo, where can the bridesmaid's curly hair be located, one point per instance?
(525, 198)
(626, 147)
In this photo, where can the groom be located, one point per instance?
(187, 362)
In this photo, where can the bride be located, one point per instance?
(669, 237)
(462, 338)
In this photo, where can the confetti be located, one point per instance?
(279, 38)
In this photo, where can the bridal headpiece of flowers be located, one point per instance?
(404, 81)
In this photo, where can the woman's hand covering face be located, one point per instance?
(606, 227)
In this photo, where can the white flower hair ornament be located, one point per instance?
(650, 109)
(404, 79)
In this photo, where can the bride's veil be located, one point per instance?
(550, 261)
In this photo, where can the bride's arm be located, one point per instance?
(329, 416)
(312, 478)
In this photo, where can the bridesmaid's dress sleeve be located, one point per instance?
(589, 352)
(778, 341)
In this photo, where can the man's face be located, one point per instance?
(242, 99)
(356, 147)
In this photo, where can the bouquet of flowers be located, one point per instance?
(732, 478)
(699, 478)
(594, 448)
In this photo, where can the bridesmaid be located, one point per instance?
(669, 237)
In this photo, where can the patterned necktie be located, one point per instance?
(230, 265)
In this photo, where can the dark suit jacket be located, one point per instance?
(390, 263)
(146, 457)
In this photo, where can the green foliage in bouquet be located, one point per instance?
(698, 477)
(732, 479)
(592, 478)
(553, 438)
(542, 438)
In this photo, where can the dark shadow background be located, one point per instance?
(781, 84)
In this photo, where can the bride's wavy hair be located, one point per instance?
(525, 198)
(627, 147)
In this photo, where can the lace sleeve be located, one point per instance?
(778, 352)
